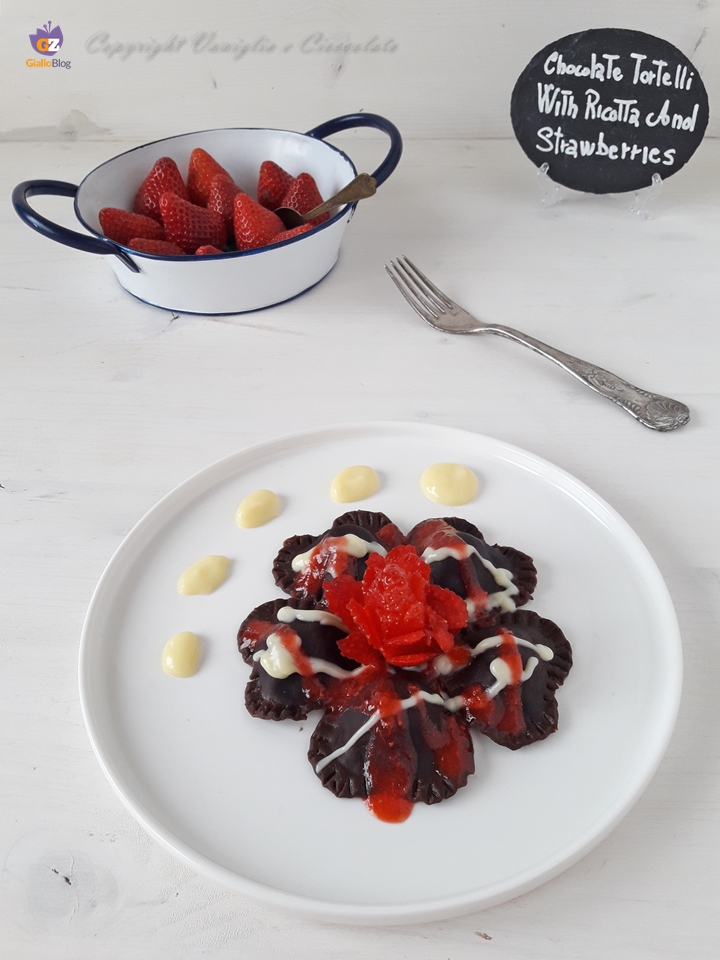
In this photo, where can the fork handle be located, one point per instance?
(651, 409)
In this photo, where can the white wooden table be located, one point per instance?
(106, 404)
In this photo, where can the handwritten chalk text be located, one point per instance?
(553, 141)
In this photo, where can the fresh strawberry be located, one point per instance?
(121, 226)
(303, 196)
(163, 178)
(220, 199)
(206, 250)
(295, 232)
(190, 226)
(254, 225)
(162, 247)
(201, 171)
(273, 184)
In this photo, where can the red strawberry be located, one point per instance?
(163, 178)
(295, 232)
(303, 196)
(207, 250)
(190, 226)
(162, 247)
(254, 225)
(201, 171)
(220, 199)
(273, 184)
(121, 226)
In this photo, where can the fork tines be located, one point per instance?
(424, 297)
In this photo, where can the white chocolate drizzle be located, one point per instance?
(351, 544)
(503, 678)
(545, 653)
(375, 718)
(323, 617)
(443, 664)
(499, 668)
(279, 659)
(502, 577)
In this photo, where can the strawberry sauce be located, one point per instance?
(437, 535)
(254, 633)
(326, 558)
(512, 720)
(390, 767)
(292, 643)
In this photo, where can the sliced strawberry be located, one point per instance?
(201, 171)
(396, 610)
(295, 232)
(162, 247)
(206, 250)
(303, 196)
(273, 184)
(121, 226)
(190, 226)
(221, 199)
(163, 178)
(254, 225)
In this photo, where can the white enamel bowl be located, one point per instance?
(232, 282)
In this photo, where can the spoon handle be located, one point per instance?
(362, 187)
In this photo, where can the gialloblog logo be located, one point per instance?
(45, 40)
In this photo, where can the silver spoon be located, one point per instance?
(362, 187)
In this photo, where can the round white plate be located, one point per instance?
(235, 797)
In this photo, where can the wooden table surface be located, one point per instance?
(107, 403)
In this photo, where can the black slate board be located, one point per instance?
(605, 117)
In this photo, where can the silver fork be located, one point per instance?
(442, 313)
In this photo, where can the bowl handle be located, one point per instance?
(366, 120)
(81, 241)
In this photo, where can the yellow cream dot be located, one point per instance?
(204, 576)
(258, 508)
(180, 655)
(354, 483)
(451, 484)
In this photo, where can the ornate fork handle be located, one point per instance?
(651, 409)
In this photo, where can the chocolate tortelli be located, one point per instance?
(407, 643)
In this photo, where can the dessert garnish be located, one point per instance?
(394, 613)
(354, 483)
(181, 654)
(451, 484)
(258, 507)
(204, 576)
(406, 644)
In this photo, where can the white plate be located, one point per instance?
(235, 797)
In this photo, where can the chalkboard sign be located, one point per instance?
(606, 109)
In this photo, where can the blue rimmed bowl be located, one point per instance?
(232, 282)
